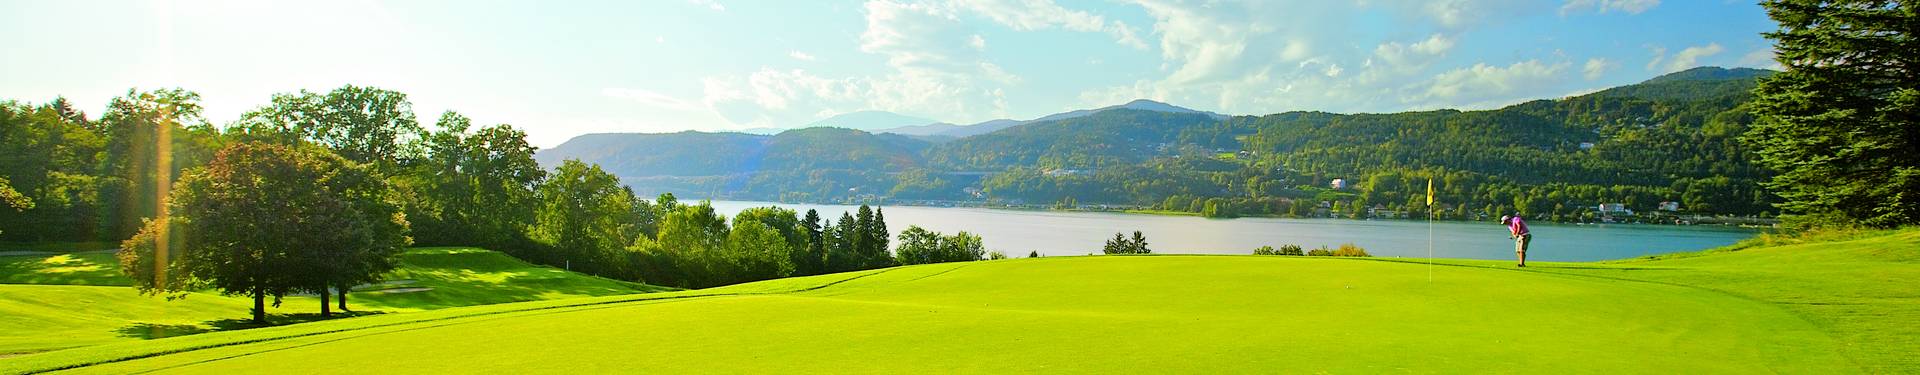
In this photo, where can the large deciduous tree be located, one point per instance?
(474, 187)
(787, 223)
(267, 220)
(362, 124)
(150, 135)
(1842, 123)
(582, 216)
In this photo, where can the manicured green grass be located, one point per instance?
(1831, 307)
(58, 247)
(83, 268)
(453, 276)
(83, 300)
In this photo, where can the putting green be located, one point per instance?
(1089, 314)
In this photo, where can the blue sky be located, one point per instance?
(564, 68)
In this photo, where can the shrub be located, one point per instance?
(1123, 245)
(1266, 250)
(1291, 249)
(996, 255)
(1320, 252)
(1350, 250)
(1034, 254)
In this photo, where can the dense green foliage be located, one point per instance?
(1120, 244)
(265, 221)
(696, 248)
(1842, 124)
(94, 179)
(921, 246)
(1289, 249)
(475, 187)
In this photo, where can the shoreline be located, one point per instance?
(1729, 221)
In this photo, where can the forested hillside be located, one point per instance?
(1673, 138)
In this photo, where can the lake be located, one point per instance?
(1017, 232)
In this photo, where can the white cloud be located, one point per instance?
(1461, 14)
(1034, 15)
(1413, 56)
(1659, 56)
(653, 99)
(802, 56)
(1683, 60)
(1598, 66)
(935, 69)
(1688, 58)
(1031, 15)
(1484, 86)
(1604, 6)
(1434, 45)
(1762, 58)
(710, 4)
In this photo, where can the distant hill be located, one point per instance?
(1671, 138)
(814, 162)
(871, 121)
(1084, 140)
(687, 153)
(963, 131)
(1711, 73)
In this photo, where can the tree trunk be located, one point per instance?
(324, 303)
(343, 297)
(259, 306)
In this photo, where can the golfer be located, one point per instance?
(1517, 230)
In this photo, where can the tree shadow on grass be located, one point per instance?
(149, 331)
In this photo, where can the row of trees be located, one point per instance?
(921, 246)
(318, 192)
(696, 248)
(1345, 250)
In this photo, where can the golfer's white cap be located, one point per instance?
(1505, 218)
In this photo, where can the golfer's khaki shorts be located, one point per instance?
(1520, 244)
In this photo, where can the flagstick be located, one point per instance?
(1430, 229)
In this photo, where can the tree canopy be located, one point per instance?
(267, 220)
(1842, 123)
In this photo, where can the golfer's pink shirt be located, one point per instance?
(1518, 226)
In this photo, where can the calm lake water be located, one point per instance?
(1016, 233)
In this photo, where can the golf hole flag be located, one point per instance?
(1429, 191)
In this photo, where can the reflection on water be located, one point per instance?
(1078, 233)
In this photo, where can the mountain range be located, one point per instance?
(1644, 143)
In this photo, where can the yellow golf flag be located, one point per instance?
(1429, 191)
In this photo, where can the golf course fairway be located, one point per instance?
(1714, 312)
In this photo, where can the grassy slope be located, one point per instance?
(83, 268)
(89, 304)
(1822, 308)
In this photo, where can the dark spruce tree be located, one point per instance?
(1841, 123)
